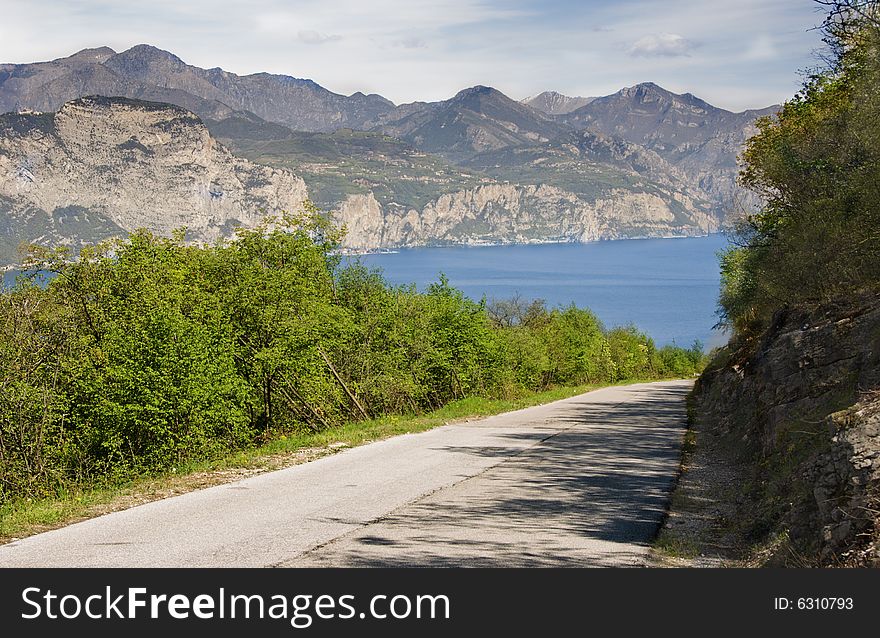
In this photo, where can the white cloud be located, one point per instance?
(668, 45)
(315, 37)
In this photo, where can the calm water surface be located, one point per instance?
(666, 287)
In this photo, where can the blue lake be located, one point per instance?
(666, 287)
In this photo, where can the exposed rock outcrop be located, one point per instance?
(801, 413)
(846, 488)
(133, 165)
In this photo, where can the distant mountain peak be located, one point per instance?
(644, 98)
(555, 103)
(478, 98)
(144, 59)
(478, 90)
(98, 55)
(150, 51)
(643, 88)
(146, 71)
(475, 119)
(651, 89)
(372, 97)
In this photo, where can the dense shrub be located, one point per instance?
(147, 353)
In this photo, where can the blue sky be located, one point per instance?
(735, 54)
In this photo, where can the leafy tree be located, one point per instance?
(817, 166)
(632, 353)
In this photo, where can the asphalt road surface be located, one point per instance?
(579, 482)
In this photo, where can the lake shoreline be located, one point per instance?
(391, 250)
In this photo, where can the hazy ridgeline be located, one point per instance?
(146, 353)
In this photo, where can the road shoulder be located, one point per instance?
(699, 529)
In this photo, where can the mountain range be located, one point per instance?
(479, 167)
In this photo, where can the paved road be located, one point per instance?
(579, 482)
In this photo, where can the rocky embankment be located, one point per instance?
(797, 415)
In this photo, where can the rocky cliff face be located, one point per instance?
(505, 213)
(129, 164)
(544, 194)
(801, 411)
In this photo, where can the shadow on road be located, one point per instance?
(592, 494)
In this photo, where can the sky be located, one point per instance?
(736, 54)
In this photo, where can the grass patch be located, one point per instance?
(26, 517)
(689, 444)
(671, 545)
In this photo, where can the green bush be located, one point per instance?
(148, 353)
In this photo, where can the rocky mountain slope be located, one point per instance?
(102, 166)
(553, 103)
(588, 163)
(390, 194)
(145, 72)
(698, 138)
(476, 119)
